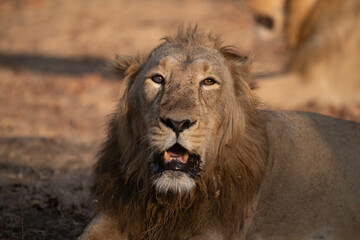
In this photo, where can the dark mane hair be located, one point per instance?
(123, 186)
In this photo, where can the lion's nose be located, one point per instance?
(178, 126)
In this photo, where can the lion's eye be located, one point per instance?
(208, 82)
(157, 79)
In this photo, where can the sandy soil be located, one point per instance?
(55, 95)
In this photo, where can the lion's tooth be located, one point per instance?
(185, 157)
(166, 156)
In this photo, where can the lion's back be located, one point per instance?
(313, 185)
(338, 135)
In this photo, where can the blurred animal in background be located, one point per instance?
(324, 39)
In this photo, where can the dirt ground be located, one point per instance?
(55, 95)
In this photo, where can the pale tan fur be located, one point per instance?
(266, 175)
(324, 40)
(272, 11)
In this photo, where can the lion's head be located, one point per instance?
(186, 128)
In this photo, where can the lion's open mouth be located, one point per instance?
(177, 158)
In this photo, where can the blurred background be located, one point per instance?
(55, 94)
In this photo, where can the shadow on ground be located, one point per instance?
(41, 196)
(43, 64)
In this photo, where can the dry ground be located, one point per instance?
(54, 95)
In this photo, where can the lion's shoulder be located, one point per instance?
(312, 178)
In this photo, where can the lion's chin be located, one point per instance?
(174, 181)
(175, 170)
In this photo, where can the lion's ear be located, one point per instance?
(127, 66)
(250, 72)
(242, 67)
(232, 56)
(121, 65)
(230, 53)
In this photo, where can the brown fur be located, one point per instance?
(122, 180)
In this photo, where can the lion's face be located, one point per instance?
(182, 93)
(186, 138)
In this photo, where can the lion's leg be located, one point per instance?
(101, 227)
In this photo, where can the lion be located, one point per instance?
(190, 154)
(323, 37)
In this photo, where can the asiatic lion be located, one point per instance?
(189, 155)
(324, 40)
